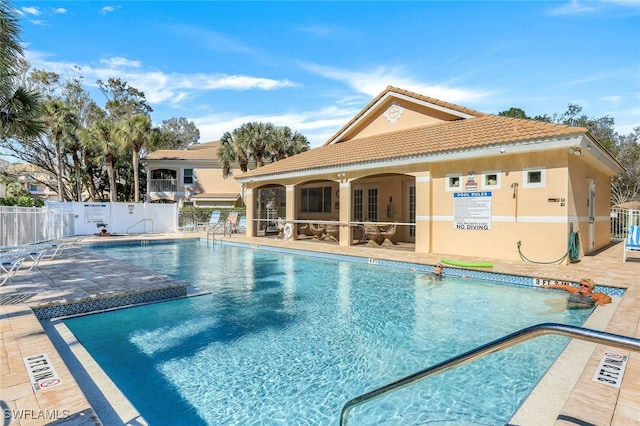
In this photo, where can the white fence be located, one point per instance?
(121, 218)
(26, 225)
(621, 220)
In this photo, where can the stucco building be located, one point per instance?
(451, 179)
(191, 177)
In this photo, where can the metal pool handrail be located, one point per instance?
(512, 339)
(140, 221)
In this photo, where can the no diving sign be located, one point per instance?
(611, 369)
(41, 372)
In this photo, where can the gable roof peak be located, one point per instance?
(396, 92)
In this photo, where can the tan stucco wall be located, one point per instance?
(540, 218)
(412, 115)
(211, 181)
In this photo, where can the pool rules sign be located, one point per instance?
(41, 372)
(611, 369)
(472, 211)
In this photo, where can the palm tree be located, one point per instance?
(61, 125)
(19, 107)
(101, 137)
(287, 143)
(135, 132)
(233, 148)
(259, 139)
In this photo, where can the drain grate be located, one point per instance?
(14, 299)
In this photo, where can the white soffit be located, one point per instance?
(474, 152)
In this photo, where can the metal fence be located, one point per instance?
(621, 220)
(28, 225)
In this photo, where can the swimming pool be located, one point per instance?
(287, 339)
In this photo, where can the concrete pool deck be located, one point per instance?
(81, 276)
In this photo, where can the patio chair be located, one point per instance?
(333, 232)
(631, 242)
(372, 234)
(388, 234)
(9, 264)
(318, 232)
(280, 225)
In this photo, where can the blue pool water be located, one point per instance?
(287, 339)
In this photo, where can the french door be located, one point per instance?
(365, 203)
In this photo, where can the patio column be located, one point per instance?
(346, 232)
(423, 212)
(250, 204)
(290, 209)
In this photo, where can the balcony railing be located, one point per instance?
(163, 185)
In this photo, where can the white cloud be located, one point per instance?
(120, 62)
(583, 7)
(157, 86)
(373, 82)
(318, 125)
(60, 11)
(574, 7)
(31, 11)
(107, 9)
(242, 82)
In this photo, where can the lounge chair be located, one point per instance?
(215, 224)
(9, 264)
(388, 234)
(631, 242)
(242, 225)
(37, 252)
(231, 223)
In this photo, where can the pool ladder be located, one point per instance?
(513, 339)
(211, 232)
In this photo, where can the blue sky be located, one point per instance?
(313, 65)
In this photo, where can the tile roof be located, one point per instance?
(203, 151)
(486, 130)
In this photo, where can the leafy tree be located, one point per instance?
(514, 113)
(177, 133)
(627, 186)
(123, 100)
(19, 106)
(16, 190)
(625, 149)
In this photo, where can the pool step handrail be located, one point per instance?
(140, 221)
(505, 342)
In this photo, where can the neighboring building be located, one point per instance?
(191, 177)
(454, 181)
(33, 179)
